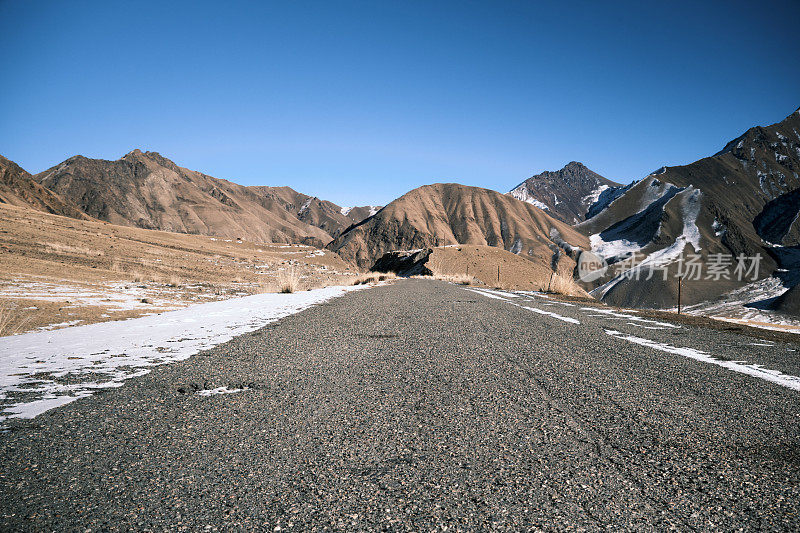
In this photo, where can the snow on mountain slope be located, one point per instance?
(593, 197)
(566, 194)
(735, 203)
(689, 239)
(361, 213)
(636, 231)
(523, 194)
(752, 304)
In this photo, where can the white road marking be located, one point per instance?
(773, 376)
(628, 316)
(645, 327)
(487, 294)
(495, 294)
(498, 293)
(551, 314)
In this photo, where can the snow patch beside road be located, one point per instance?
(46, 369)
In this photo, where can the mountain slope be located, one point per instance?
(309, 209)
(358, 214)
(566, 194)
(147, 190)
(17, 187)
(742, 200)
(446, 214)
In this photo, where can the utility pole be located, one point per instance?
(498, 274)
(680, 284)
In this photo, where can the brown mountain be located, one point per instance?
(742, 200)
(789, 302)
(565, 194)
(147, 190)
(358, 214)
(17, 187)
(309, 209)
(448, 214)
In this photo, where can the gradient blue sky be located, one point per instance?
(358, 102)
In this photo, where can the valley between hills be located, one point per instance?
(91, 240)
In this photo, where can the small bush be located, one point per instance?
(362, 280)
(288, 281)
(561, 284)
(460, 279)
(365, 279)
(374, 277)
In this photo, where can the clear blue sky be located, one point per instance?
(358, 102)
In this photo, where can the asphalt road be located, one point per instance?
(420, 406)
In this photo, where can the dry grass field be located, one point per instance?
(57, 271)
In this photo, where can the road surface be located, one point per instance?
(422, 405)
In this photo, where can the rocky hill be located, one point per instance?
(147, 190)
(741, 200)
(17, 187)
(565, 194)
(449, 214)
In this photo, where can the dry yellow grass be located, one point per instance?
(5, 320)
(288, 281)
(41, 249)
(566, 285)
(265, 288)
(61, 248)
(459, 279)
(11, 320)
(374, 277)
(365, 279)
